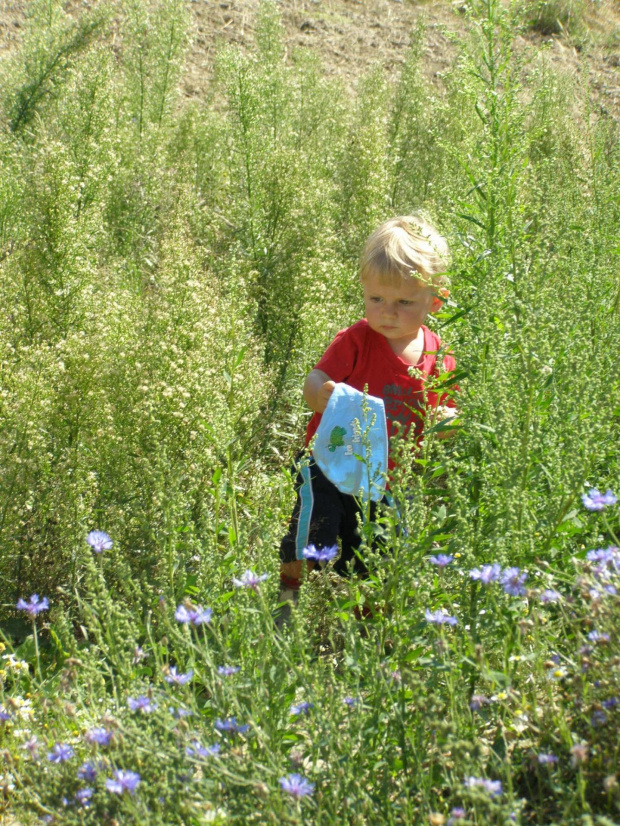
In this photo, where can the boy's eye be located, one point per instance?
(405, 302)
(375, 299)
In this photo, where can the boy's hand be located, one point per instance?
(442, 414)
(317, 390)
(324, 395)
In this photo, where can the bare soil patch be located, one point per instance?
(351, 36)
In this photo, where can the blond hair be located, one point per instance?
(405, 247)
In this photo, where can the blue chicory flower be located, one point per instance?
(598, 636)
(60, 753)
(320, 554)
(180, 712)
(197, 750)
(101, 736)
(439, 618)
(301, 708)
(487, 573)
(99, 541)
(34, 606)
(441, 560)
(84, 795)
(194, 614)
(512, 580)
(228, 670)
(141, 703)
(249, 579)
(599, 718)
(296, 785)
(547, 759)
(231, 725)
(594, 500)
(604, 556)
(477, 701)
(87, 772)
(178, 679)
(350, 701)
(123, 781)
(491, 786)
(549, 595)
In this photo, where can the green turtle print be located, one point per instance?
(336, 438)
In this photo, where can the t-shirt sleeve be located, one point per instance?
(445, 363)
(340, 357)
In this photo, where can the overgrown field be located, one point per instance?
(169, 272)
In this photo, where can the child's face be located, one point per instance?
(397, 309)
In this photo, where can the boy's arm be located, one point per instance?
(318, 387)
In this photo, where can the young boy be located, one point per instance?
(401, 275)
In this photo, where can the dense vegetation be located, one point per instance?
(169, 271)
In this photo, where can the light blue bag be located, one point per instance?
(338, 449)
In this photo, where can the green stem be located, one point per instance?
(36, 649)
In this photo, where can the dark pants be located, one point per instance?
(322, 515)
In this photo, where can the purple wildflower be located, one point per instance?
(301, 708)
(547, 759)
(512, 580)
(477, 701)
(180, 712)
(296, 785)
(34, 606)
(491, 786)
(456, 814)
(350, 701)
(249, 579)
(99, 541)
(138, 655)
(612, 702)
(60, 753)
(231, 725)
(196, 750)
(32, 747)
(597, 636)
(141, 703)
(123, 781)
(599, 718)
(487, 573)
(441, 560)
(83, 796)
(178, 679)
(87, 772)
(439, 618)
(194, 614)
(227, 670)
(101, 736)
(549, 595)
(604, 556)
(594, 500)
(320, 554)
(4, 715)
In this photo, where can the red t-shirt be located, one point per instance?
(360, 356)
